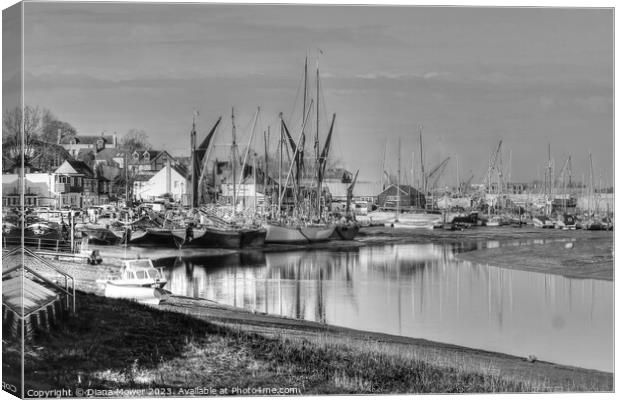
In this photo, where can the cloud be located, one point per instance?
(401, 75)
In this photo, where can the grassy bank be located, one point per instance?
(121, 344)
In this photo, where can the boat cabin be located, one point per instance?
(141, 272)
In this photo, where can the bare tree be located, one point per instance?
(51, 127)
(12, 130)
(135, 139)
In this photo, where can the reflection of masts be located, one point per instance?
(298, 291)
(320, 309)
(398, 282)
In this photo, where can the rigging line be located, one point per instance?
(297, 95)
(244, 132)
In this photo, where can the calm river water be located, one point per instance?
(419, 291)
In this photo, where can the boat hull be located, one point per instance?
(217, 238)
(153, 237)
(345, 232)
(141, 294)
(252, 238)
(297, 234)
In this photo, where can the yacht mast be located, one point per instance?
(316, 147)
(234, 162)
(194, 162)
(398, 185)
(422, 161)
(280, 167)
(266, 171)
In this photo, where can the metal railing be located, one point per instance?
(57, 245)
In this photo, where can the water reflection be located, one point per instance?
(418, 291)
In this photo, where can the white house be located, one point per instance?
(40, 190)
(172, 180)
(249, 194)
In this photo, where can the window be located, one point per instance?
(72, 181)
(141, 274)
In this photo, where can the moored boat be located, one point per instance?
(542, 221)
(138, 280)
(152, 237)
(346, 231)
(99, 236)
(297, 233)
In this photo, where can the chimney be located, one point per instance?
(59, 136)
(115, 140)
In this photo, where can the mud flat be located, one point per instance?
(583, 257)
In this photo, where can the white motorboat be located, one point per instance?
(414, 220)
(138, 280)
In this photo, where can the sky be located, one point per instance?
(470, 76)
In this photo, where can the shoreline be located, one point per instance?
(443, 354)
(438, 354)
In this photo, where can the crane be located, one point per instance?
(465, 185)
(436, 173)
(494, 160)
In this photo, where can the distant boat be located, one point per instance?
(542, 221)
(494, 221)
(138, 280)
(415, 220)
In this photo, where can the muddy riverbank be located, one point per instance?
(583, 258)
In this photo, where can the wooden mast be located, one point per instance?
(422, 173)
(280, 167)
(234, 162)
(266, 171)
(422, 160)
(194, 162)
(316, 147)
(398, 185)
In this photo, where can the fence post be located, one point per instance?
(71, 226)
(39, 244)
(57, 244)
